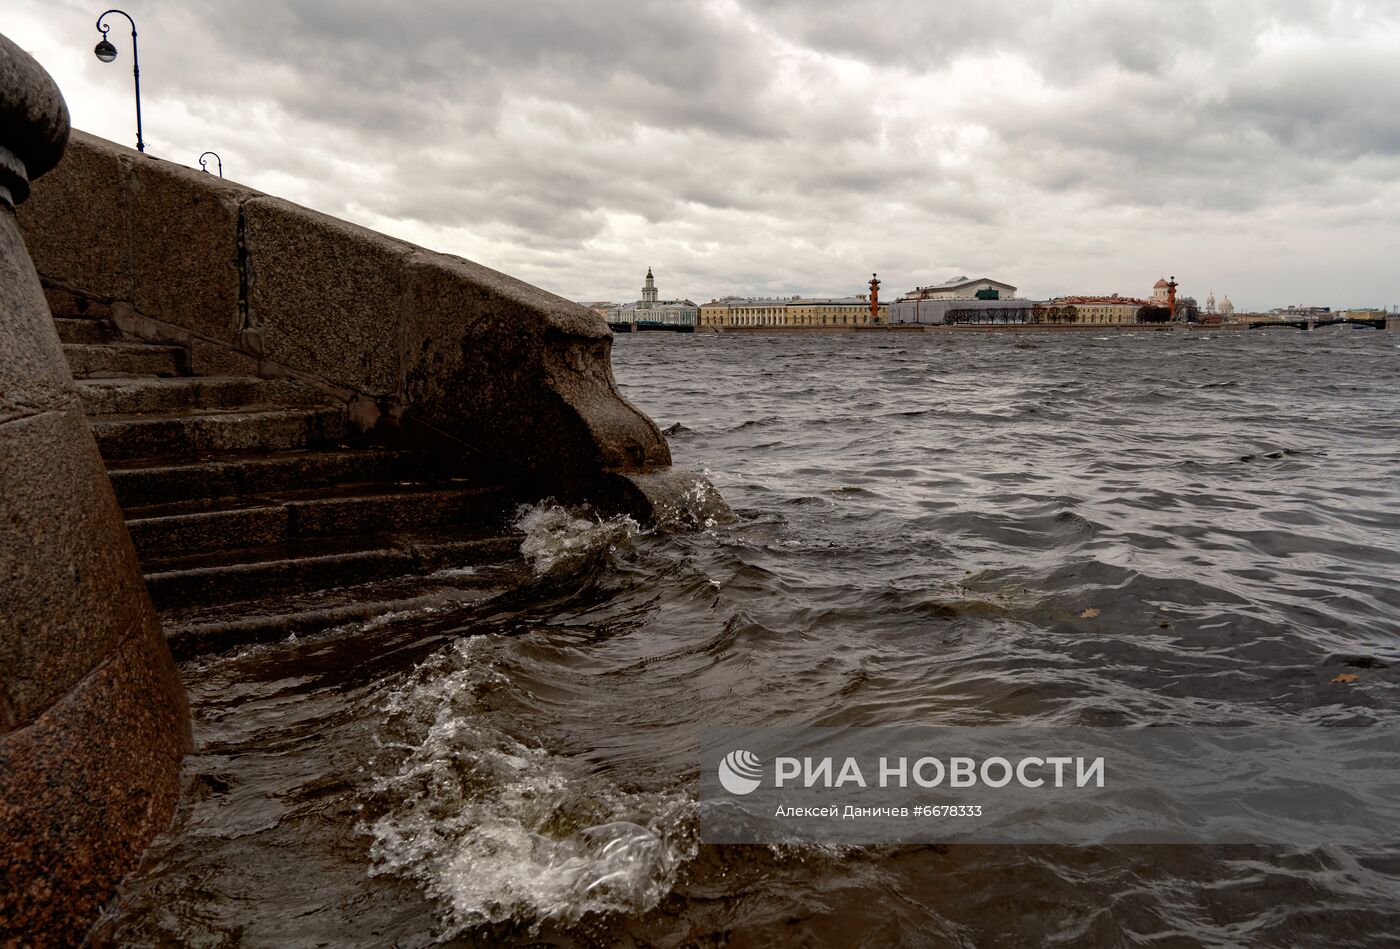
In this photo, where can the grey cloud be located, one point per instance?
(1066, 40)
(760, 159)
(1323, 103)
(1274, 128)
(407, 68)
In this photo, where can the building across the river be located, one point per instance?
(967, 301)
(835, 311)
(1295, 312)
(792, 311)
(961, 300)
(745, 311)
(963, 288)
(1108, 309)
(650, 311)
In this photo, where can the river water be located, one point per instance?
(925, 522)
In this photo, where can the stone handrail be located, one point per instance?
(423, 347)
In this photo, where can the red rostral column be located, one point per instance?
(874, 299)
(1171, 299)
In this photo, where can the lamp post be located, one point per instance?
(105, 51)
(216, 158)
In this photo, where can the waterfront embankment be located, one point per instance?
(982, 328)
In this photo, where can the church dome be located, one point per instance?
(1226, 306)
(1160, 284)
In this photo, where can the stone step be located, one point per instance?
(176, 434)
(194, 636)
(185, 583)
(128, 396)
(171, 530)
(450, 592)
(84, 331)
(118, 360)
(236, 474)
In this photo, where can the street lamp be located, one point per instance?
(216, 158)
(106, 52)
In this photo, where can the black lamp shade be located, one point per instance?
(105, 51)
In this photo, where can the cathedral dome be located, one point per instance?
(1160, 284)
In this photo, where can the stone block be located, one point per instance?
(67, 304)
(77, 221)
(325, 294)
(254, 428)
(123, 359)
(181, 534)
(34, 117)
(84, 787)
(387, 511)
(93, 720)
(70, 580)
(33, 374)
(184, 247)
(517, 375)
(208, 359)
(186, 393)
(85, 332)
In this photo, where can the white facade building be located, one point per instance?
(933, 304)
(962, 288)
(649, 309)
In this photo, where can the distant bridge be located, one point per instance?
(1380, 323)
(646, 326)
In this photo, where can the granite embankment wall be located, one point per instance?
(422, 347)
(981, 328)
(93, 721)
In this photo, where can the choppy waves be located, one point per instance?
(497, 830)
(1156, 529)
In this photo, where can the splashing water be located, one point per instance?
(496, 830)
(555, 536)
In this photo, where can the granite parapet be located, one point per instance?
(93, 720)
(424, 349)
(84, 787)
(325, 293)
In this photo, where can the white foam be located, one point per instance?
(493, 829)
(694, 507)
(447, 573)
(554, 535)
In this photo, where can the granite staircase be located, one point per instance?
(255, 515)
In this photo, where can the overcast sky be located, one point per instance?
(1249, 147)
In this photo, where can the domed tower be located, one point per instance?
(1160, 291)
(1210, 302)
(648, 293)
(1226, 307)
